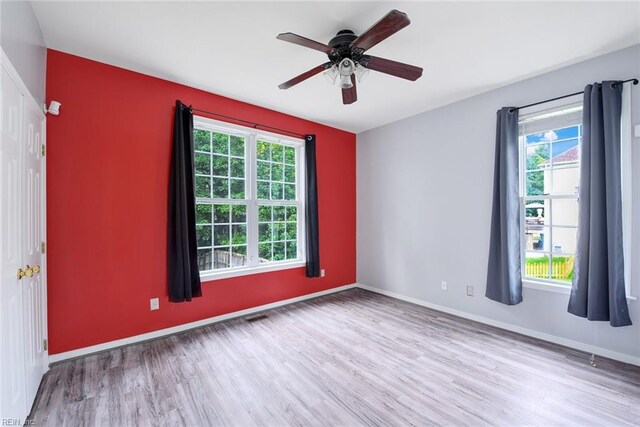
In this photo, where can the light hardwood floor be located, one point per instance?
(353, 358)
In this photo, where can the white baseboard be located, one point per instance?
(513, 328)
(58, 357)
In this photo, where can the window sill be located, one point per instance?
(555, 288)
(210, 275)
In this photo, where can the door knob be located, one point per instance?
(36, 269)
(20, 274)
(28, 271)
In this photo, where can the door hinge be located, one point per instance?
(44, 150)
(43, 247)
(45, 344)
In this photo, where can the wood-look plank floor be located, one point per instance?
(352, 358)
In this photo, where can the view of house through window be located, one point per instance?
(550, 168)
(248, 197)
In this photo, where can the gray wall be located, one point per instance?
(424, 205)
(22, 41)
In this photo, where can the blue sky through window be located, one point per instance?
(566, 138)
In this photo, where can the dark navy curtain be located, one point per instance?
(504, 280)
(598, 288)
(311, 205)
(182, 252)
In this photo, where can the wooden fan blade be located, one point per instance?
(387, 66)
(390, 24)
(303, 41)
(349, 96)
(304, 76)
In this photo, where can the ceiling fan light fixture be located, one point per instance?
(331, 74)
(346, 69)
(345, 82)
(361, 73)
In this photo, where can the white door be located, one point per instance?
(33, 292)
(13, 402)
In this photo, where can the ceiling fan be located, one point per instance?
(347, 59)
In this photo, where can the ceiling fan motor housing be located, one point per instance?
(342, 48)
(343, 38)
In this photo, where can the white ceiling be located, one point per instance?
(230, 48)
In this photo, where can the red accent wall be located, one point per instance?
(108, 155)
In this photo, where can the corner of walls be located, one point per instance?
(22, 41)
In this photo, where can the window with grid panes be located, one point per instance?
(550, 167)
(249, 198)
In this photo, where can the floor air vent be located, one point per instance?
(256, 318)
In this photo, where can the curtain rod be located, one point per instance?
(253, 125)
(511, 110)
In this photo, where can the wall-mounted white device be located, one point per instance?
(54, 108)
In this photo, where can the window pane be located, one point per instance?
(202, 163)
(264, 170)
(290, 173)
(277, 172)
(565, 211)
(536, 211)
(263, 190)
(237, 168)
(277, 153)
(278, 251)
(264, 213)
(537, 265)
(220, 235)
(202, 140)
(203, 235)
(203, 213)
(537, 157)
(279, 213)
(262, 150)
(238, 234)
(237, 188)
(220, 188)
(564, 240)
(562, 268)
(264, 252)
(220, 143)
(290, 155)
(278, 231)
(264, 232)
(205, 260)
(535, 183)
(238, 256)
(238, 213)
(221, 258)
(566, 179)
(237, 146)
(221, 214)
(536, 237)
(203, 186)
(220, 165)
(289, 191)
(292, 251)
(292, 230)
(292, 213)
(277, 192)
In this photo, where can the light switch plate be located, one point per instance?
(636, 131)
(154, 304)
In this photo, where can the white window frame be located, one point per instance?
(251, 137)
(548, 284)
(626, 168)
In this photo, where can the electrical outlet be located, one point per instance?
(469, 290)
(154, 304)
(444, 285)
(322, 272)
